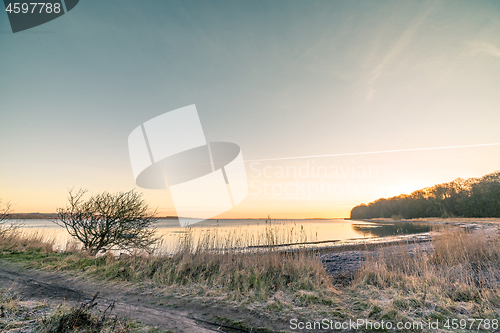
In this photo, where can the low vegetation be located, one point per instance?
(456, 277)
(459, 278)
(473, 197)
(106, 221)
(5, 211)
(17, 315)
(206, 262)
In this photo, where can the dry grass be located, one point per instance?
(207, 261)
(254, 275)
(16, 239)
(240, 238)
(458, 256)
(17, 315)
(458, 278)
(265, 280)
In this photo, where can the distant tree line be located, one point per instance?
(473, 197)
(33, 216)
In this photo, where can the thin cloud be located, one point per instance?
(396, 49)
(486, 48)
(375, 152)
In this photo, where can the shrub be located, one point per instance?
(109, 221)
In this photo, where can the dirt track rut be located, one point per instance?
(55, 287)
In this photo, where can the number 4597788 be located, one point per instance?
(32, 7)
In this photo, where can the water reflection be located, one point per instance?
(384, 229)
(256, 233)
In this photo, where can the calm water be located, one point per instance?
(255, 233)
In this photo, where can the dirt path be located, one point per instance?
(177, 315)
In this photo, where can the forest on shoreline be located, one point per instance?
(472, 197)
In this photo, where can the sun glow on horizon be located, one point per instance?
(371, 101)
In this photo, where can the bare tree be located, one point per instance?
(5, 210)
(107, 221)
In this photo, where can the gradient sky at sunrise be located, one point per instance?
(279, 78)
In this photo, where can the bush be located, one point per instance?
(107, 221)
(5, 210)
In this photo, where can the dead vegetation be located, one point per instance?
(13, 238)
(18, 315)
(459, 277)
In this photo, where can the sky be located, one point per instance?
(279, 78)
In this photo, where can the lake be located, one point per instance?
(253, 233)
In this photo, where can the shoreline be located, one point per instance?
(344, 261)
(373, 278)
(435, 220)
(376, 242)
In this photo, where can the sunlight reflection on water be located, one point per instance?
(252, 233)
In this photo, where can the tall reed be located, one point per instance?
(462, 265)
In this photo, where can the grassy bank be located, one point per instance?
(458, 279)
